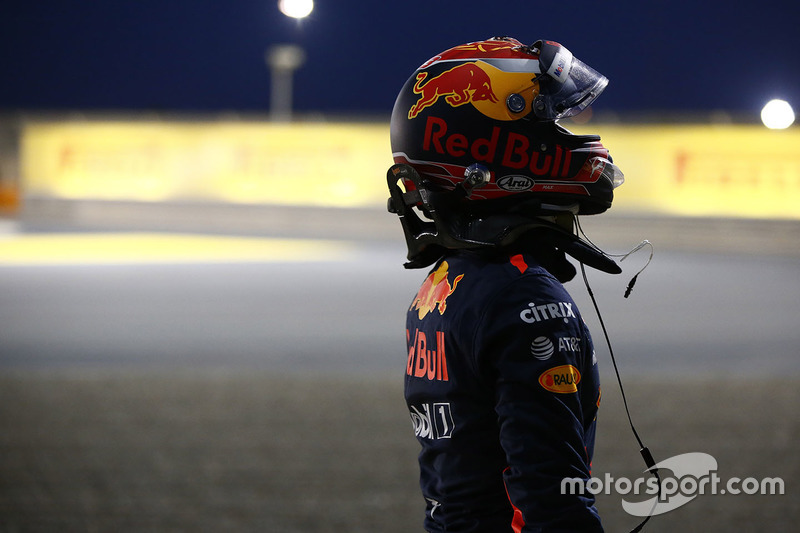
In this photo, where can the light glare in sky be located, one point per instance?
(777, 114)
(296, 8)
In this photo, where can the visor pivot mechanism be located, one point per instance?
(475, 176)
(515, 103)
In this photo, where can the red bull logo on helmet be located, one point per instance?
(484, 86)
(434, 292)
(460, 85)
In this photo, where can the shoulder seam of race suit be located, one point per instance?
(542, 272)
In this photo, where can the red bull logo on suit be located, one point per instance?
(426, 359)
(434, 291)
(424, 362)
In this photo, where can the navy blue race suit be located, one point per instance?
(503, 390)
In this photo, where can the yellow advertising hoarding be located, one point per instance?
(731, 170)
(303, 164)
(723, 170)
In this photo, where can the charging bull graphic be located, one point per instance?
(462, 84)
(434, 291)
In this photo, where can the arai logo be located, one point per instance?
(515, 183)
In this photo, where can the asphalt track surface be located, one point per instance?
(338, 306)
(214, 386)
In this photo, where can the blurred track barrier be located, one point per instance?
(149, 248)
(709, 170)
(241, 162)
(9, 199)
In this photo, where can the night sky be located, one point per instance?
(208, 55)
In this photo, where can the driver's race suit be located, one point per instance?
(503, 390)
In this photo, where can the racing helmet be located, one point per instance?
(479, 155)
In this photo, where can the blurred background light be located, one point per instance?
(296, 8)
(777, 114)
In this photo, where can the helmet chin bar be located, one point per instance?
(450, 228)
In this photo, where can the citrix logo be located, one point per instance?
(540, 313)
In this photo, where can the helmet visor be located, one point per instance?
(567, 85)
(608, 170)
